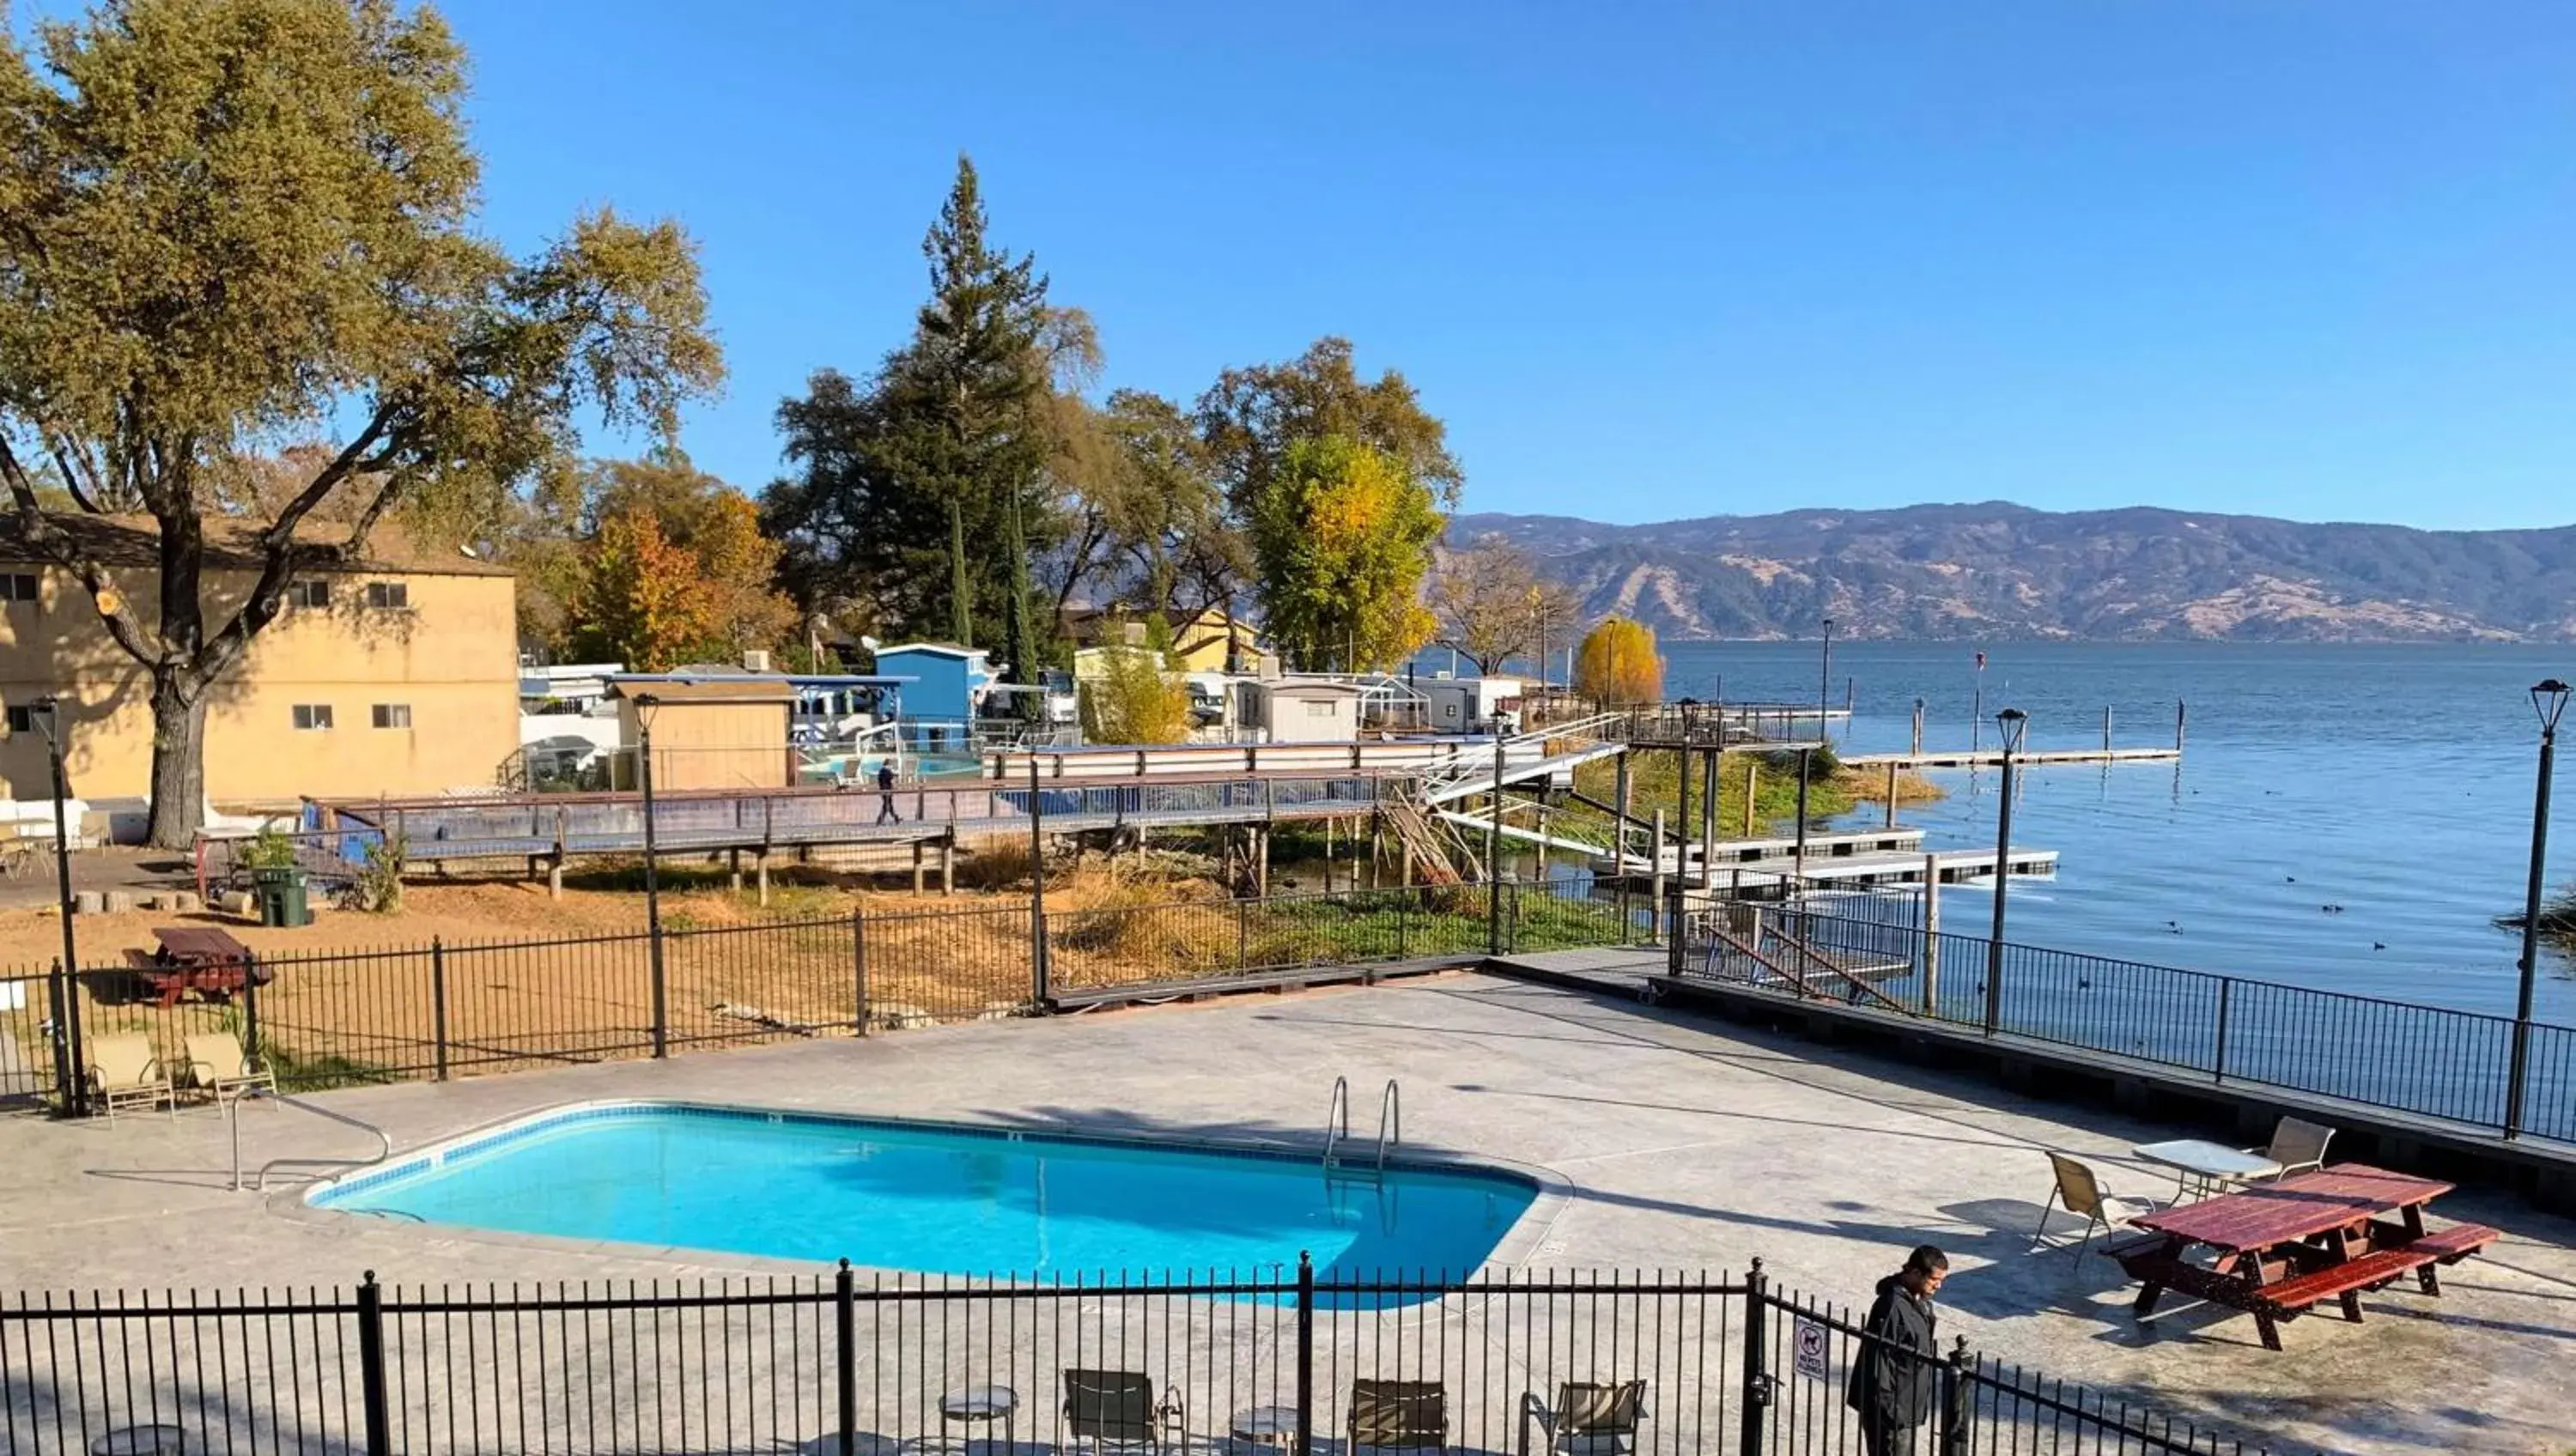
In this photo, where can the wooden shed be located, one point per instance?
(726, 733)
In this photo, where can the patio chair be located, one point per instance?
(2080, 1190)
(1399, 1415)
(1588, 1419)
(2298, 1146)
(1116, 1408)
(125, 1073)
(219, 1064)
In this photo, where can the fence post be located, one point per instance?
(1932, 934)
(845, 1321)
(438, 1001)
(250, 1011)
(1305, 1354)
(1955, 1410)
(1757, 1374)
(2218, 1058)
(371, 1367)
(1403, 912)
(1512, 921)
(1675, 953)
(67, 1084)
(1243, 935)
(859, 963)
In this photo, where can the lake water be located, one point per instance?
(2394, 781)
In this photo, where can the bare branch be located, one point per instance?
(45, 536)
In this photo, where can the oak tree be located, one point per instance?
(231, 225)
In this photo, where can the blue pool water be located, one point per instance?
(938, 1199)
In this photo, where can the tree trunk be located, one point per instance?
(961, 597)
(178, 763)
(1019, 635)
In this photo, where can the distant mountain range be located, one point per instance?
(1996, 571)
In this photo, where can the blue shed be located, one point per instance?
(947, 683)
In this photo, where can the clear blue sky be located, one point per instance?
(2314, 258)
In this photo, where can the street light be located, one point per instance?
(2010, 723)
(646, 704)
(2548, 699)
(1825, 680)
(69, 1072)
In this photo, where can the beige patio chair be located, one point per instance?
(1587, 1420)
(218, 1064)
(2080, 1190)
(125, 1073)
(1399, 1415)
(2298, 1146)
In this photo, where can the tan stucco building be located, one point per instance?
(397, 674)
(718, 733)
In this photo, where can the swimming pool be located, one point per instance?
(937, 1197)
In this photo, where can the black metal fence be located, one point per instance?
(1275, 1360)
(2427, 1060)
(454, 1008)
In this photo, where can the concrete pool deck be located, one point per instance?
(1690, 1145)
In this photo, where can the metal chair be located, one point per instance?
(1587, 1420)
(2298, 1146)
(2080, 1190)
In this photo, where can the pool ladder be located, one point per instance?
(1337, 1123)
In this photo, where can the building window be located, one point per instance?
(393, 715)
(390, 596)
(22, 720)
(312, 717)
(1319, 708)
(19, 586)
(308, 593)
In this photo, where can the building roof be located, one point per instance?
(938, 649)
(725, 690)
(1293, 687)
(134, 543)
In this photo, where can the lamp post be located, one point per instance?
(1038, 968)
(70, 1071)
(1825, 681)
(2548, 699)
(2009, 723)
(645, 706)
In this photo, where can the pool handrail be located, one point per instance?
(232, 1115)
(1337, 1119)
(1390, 1121)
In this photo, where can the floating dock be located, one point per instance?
(1994, 757)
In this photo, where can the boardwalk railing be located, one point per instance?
(1291, 1359)
(2430, 1061)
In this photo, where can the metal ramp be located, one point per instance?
(1525, 757)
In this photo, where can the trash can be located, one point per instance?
(282, 896)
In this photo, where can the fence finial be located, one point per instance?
(370, 1277)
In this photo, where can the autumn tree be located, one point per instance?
(1341, 536)
(1139, 695)
(1617, 664)
(641, 600)
(1482, 594)
(229, 225)
(1253, 416)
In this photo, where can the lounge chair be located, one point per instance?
(2298, 1146)
(1399, 1415)
(125, 1073)
(2079, 1188)
(1587, 1420)
(1116, 1408)
(219, 1064)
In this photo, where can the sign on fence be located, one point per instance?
(1810, 1341)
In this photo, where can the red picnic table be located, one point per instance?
(2283, 1246)
(199, 958)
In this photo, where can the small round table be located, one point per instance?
(981, 1405)
(141, 1441)
(1274, 1426)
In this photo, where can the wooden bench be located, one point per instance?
(2450, 1246)
(2344, 1282)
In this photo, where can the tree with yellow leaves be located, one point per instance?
(1617, 664)
(1341, 538)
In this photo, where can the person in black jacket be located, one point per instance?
(1895, 1379)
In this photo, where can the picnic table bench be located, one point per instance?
(2280, 1249)
(195, 958)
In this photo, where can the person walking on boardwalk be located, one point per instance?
(1895, 1378)
(886, 811)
